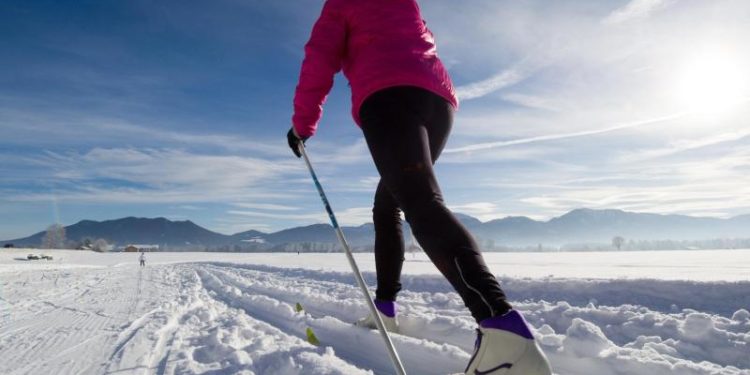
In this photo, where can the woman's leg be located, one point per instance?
(405, 129)
(389, 244)
(389, 240)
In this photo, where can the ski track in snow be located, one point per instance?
(239, 318)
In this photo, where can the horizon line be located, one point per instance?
(369, 222)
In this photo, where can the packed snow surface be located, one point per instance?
(654, 313)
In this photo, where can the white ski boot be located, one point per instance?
(387, 312)
(505, 346)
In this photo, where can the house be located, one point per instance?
(134, 248)
(146, 248)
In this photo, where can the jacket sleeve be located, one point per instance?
(323, 58)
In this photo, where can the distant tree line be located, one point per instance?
(55, 238)
(619, 243)
(718, 243)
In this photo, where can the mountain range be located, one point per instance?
(575, 227)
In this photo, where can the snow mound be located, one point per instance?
(584, 339)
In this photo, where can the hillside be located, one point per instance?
(575, 227)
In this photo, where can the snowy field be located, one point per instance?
(644, 313)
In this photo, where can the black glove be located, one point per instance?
(294, 141)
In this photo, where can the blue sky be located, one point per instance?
(180, 109)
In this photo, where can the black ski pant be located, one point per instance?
(406, 129)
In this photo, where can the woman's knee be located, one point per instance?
(426, 208)
(386, 214)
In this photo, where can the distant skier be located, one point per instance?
(143, 259)
(403, 100)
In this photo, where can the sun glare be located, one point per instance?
(711, 83)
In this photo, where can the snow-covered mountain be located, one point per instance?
(132, 230)
(577, 226)
(588, 225)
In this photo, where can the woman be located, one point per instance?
(403, 100)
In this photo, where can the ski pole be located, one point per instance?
(397, 365)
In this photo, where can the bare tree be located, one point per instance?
(100, 245)
(54, 238)
(87, 243)
(617, 242)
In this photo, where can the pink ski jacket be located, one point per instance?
(378, 44)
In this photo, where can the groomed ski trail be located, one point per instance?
(239, 318)
(254, 295)
(156, 320)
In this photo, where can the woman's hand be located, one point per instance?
(294, 141)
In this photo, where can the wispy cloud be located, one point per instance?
(492, 145)
(71, 127)
(635, 9)
(678, 197)
(122, 175)
(266, 206)
(499, 81)
(349, 216)
(532, 101)
(686, 145)
(189, 207)
(228, 142)
(122, 195)
(315, 217)
(677, 186)
(168, 167)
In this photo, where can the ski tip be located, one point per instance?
(311, 338)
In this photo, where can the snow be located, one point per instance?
(215, 313)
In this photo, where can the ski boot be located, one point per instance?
(505, 346)
(387, 312)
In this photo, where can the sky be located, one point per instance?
(180, 109)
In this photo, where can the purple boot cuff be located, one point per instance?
(387, 308)
(513, 322)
